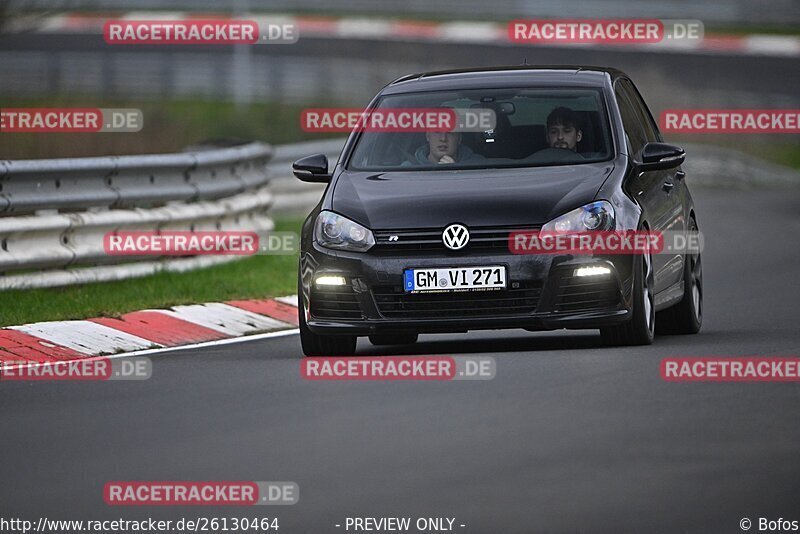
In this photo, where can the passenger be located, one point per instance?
(563, 129)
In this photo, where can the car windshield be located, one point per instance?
(531, 128)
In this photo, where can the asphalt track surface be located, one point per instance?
(569, 436)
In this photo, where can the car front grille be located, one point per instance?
(491, 239)
(393, 303)
(335, 302)
(577, 294)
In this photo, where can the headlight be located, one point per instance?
(334, 231)
(595, 216)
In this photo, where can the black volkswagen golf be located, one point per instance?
(412, 233)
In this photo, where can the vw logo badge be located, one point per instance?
(455, 236)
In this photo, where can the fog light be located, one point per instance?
(592, 271)
(330, 280)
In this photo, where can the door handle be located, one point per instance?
(680, 175)
(668, 186)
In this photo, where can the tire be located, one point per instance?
(393, 339)
(318, 344)
(640, 328)
(686, 317)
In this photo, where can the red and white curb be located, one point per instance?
(179, 326)
(417, 30)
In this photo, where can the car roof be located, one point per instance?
(511, 76)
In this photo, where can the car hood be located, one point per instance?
(485, 197)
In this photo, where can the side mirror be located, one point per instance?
(312, 169)
(660, 156)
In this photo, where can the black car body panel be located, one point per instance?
(485, 197)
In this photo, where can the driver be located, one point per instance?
(563, 129)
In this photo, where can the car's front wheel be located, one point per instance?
(640, 328)
(686, 317)
(324, 345)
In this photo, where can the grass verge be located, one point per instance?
(254, 277)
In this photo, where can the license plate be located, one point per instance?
(455, 278)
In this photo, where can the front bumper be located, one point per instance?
(542, 294)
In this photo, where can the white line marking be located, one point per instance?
(231, 340)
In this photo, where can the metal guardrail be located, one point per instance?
(54, 213)
(27, 186)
